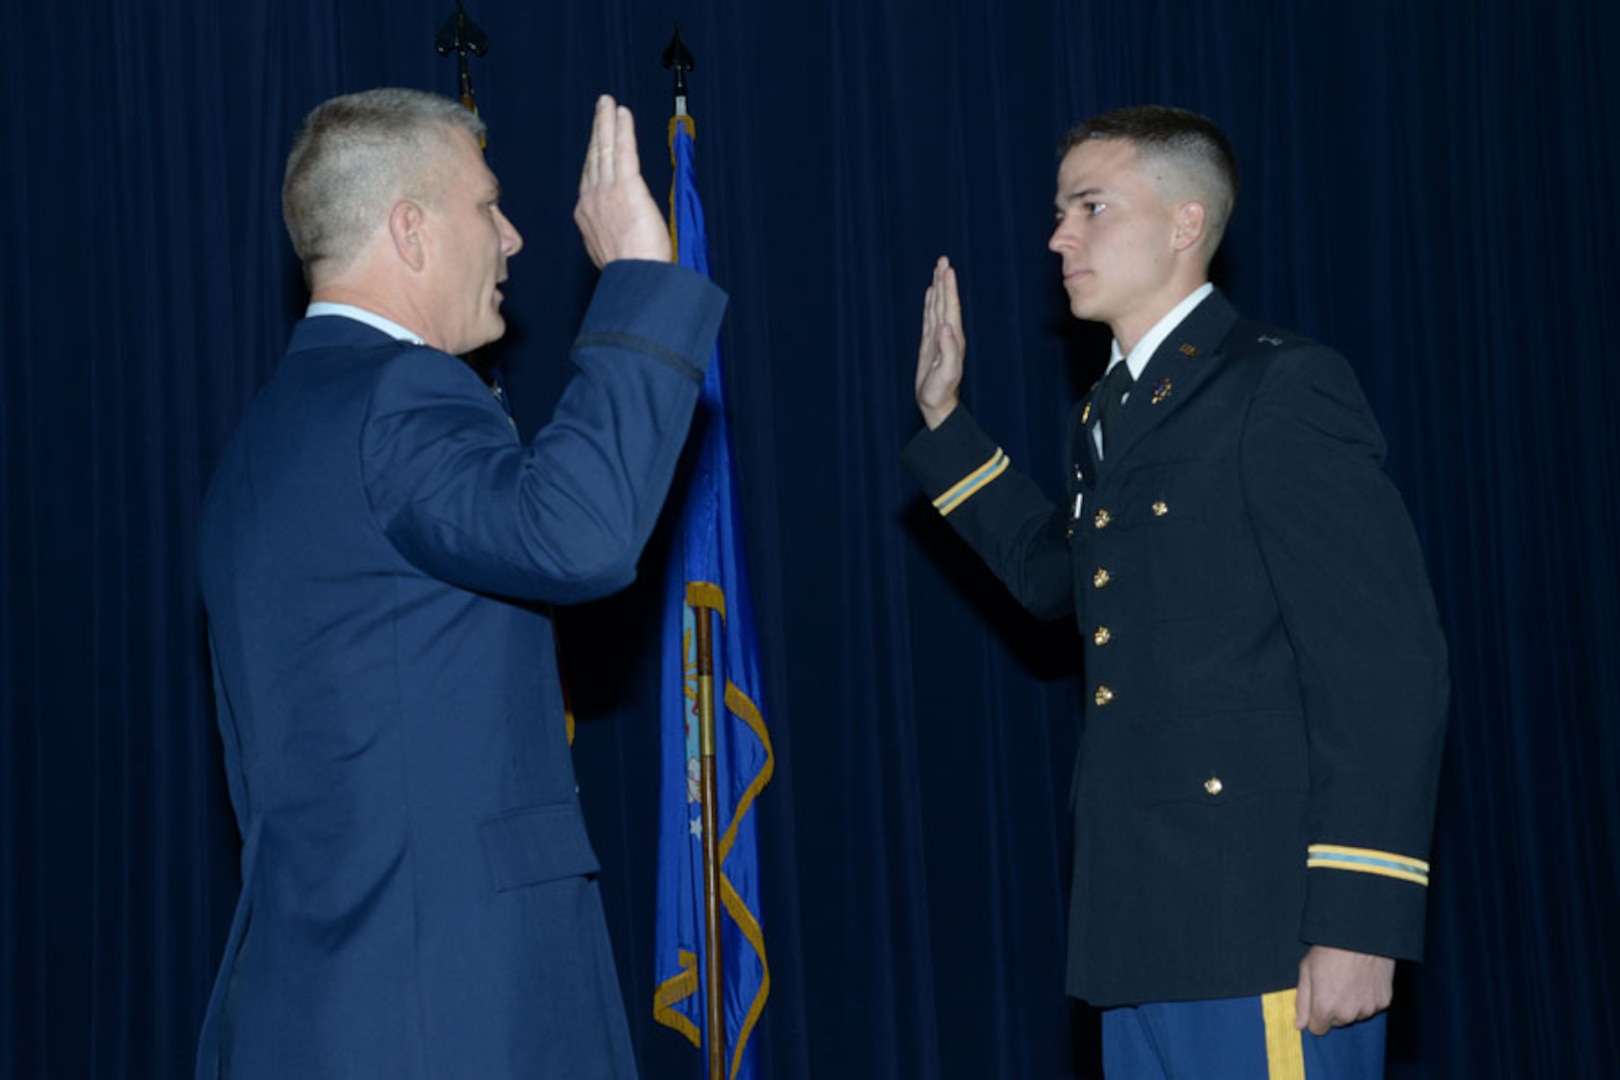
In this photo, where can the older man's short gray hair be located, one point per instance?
(356, 156)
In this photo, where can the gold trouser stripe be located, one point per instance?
(1285, 1046)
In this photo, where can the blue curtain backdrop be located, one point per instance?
(1426, 186)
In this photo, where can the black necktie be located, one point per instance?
(1114, 388)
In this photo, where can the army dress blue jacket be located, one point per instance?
(1266, 680)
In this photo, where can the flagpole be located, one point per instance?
(460, 35)
(703, 621)
(679, 59)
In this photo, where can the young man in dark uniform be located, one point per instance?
(1266, 678)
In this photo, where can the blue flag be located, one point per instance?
(707, 570)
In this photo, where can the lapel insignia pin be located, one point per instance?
(1189, 351)
(1085, 414)
(1161, 390)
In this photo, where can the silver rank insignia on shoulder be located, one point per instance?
(1161, 390)
(1267, 339)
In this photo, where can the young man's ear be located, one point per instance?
(1189, 221)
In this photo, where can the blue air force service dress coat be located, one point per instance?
(418, 893)
(1266, 681)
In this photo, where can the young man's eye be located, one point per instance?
(1094, 208)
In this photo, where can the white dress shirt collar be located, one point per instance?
(370, 318)
(1155, 337)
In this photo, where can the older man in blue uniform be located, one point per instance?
(1266, 679)
(418, 890)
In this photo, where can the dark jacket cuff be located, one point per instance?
(664, 311)
(941, 458)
